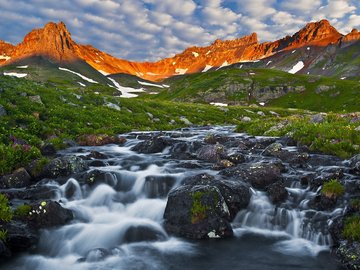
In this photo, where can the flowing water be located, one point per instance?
(118, 225)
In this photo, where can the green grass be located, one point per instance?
(3, 235)
(5, 211)
(352, 228)
(333, 189)
(22, 210)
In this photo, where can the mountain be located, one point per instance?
(54, 42)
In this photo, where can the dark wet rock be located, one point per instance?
(211, 153)
(95, 255)
(36, 168)
(184, 150)
(277, 192)
(355, 164)
(20, 236)
(214, 139)
(322, 202)
(335, 230)
(153, 145)
(18, 179)
(3, 112)
(222, 164)
(97, 163)
(197, 212)
(47, 214)
(259, 175)
(99, 140)
(263, 142)
(158, 186)
(4, 251)
(273, 149)
(190, 165)
(353, 187)
(139, 233)
(316, 160)
(32, 193)
(97, 155)
(95, 177)
(48, 149)
(236, 158)
(64, 166)
(326, 177)
(36, 99)
(349, 254)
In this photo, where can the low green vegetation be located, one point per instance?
(198, 210)
(5, 211)
(355, 204)
(352, 228)
(333, 189)
(22, 210)
(3, 235)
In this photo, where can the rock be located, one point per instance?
(222, 164)
(36, 99)
(32, 193)
(18, 179)
(277, 192)
(357, 129)
(48, 214)
(349, 254)
(158, 186)
(274, 113)
(322, 88)
(197, 212)
(64, 166)
(140, 233)
(322, 202)
(259, 175)
(317, 119)
(185, 150)
(260, 113)
(246, 119)
(211, 153)
(99, 140)
(154, 145)
(48, 149)
(3, 112)
(95, 177)
(185, 121)
(20, 236)
(236, 158)
(272, 149)
(97, 155)
(151, 116)
(112, 106)
(98, 163)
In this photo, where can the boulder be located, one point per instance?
(273, 149)
(48, 214)
(277, 192)
(317, 119)
(36, 99)
(197, 212)
(48, 149)
(64, 166)
(18, 179)
(4, 251)
(349, 254)
(259, 175)
(20, 236)
(99, 140)
(211, 153)
(158, 186)
(139, 233)
(154, 145)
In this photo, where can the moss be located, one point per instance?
(5, 211)
(22, 210)
(333, 189)
(352, 228)
(198, 209)
(355, 204)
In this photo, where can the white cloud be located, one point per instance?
(301, 5)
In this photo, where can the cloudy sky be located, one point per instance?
(152, 29)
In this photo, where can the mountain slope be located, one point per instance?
(54, 42)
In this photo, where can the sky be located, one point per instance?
(148, 30)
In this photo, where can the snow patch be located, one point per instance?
(166, 86)
(103, 72)
(126, 92)
(152, 74)
(208, 52)
(13, 74)
(150, 84)
(81, 84)
(308, 48)
(342, 78)
(139, 74)
(262, 103)
(225, 64)
(22, 66)
(78, 74)
(207, 67)
(299, 66)
(219, 104)
(174, 63)
(195, 54)
(181, 71)
(241, 66)
(293, 51)
(268, 63)
(252, 73)
(4, 57)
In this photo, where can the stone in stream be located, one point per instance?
(277, 192)
(48, 149)
(185, 150)
(211, 153)
(259, 175)
(197, 212)
(20, 236)
(158, 186)
(18, 179)
(64, 166)
(99, 140)
(154, 145)
(4, 251)
(140, 233)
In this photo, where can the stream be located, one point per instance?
(118, 223)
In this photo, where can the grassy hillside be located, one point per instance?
(275, 88)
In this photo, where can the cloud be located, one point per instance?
(146, 30)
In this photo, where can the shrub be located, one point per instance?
(5, 211)
(3, 235)
(333, 189)
(355, 204)
(352, 228)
